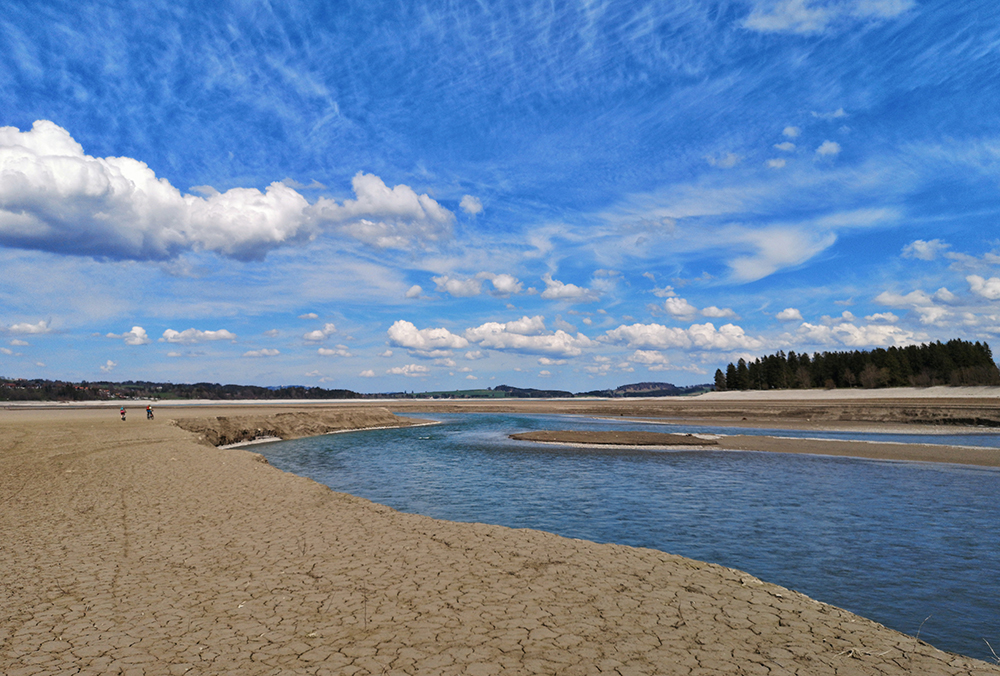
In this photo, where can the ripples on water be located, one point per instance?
(915, 546)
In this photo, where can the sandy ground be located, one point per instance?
(134, 548)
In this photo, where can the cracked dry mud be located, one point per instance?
(132, 549)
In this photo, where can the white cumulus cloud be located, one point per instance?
(703, 336)
(471, 205)
(828, 148)
(266, 352)
(30, 329)
(503, 284)
(887, 317)
(136, 336)
(410, 370)
(678, 307)
(109, 366)
(54, 197)
(654, 361)
(924, 304)
(556, 290)
(320, 334)
(925, 251)
(191, 336)
(851, 335)
(425, 342)
(545, 361)
(789, 314)
(987, 288)
(528, 335)
(726, 337)
(384, 217)
(459, 288)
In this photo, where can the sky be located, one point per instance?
(391, 196)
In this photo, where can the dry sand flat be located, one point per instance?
(131, 548)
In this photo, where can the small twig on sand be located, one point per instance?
(364, 598)
(922, 626)
(995, 658)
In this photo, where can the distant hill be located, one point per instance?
(650, 390)
(530, 393)
(509, 391)
(19, 389)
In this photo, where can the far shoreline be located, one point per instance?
(877, 411)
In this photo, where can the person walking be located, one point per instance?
(122, 411)
(149, 412)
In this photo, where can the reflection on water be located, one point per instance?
(905, 544)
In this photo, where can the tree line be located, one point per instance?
(18, 389)
(957, 362)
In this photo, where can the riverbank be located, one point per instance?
(136, 548)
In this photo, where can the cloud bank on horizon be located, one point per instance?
(419, 198)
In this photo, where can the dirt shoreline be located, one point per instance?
(137, 548)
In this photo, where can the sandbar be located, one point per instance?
(141, 548)
(874, 450)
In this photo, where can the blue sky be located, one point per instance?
(423, 195)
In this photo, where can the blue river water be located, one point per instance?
(914, 546)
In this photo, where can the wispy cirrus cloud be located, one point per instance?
(817, 16)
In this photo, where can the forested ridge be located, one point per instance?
(20, 389)
(957, 362)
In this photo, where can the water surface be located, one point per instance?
(915, 546)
